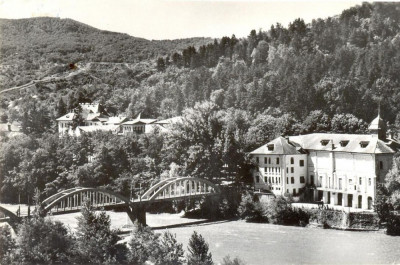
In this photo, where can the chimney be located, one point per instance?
(9, 127)
(287, 139)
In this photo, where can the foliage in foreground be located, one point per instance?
(43, 241)
(198, 251)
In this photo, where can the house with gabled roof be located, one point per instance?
(342, 170)
(94, 120)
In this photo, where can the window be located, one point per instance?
(360, 180)
(312, 179)
(265, 179)
(272, 180)
(294, 192)
(380, 164)
(287, 180)
(291, 160)
(265, 169)
(292, 170)
(292, 180)
(258, 179)
(302, 179)
(287, 190)
(269, 160)
(265, 160)
(276, 180)
(364, 144)
(324, 142)
(369, 182)
(343, 143)
(301, 163)
(277, 160)
(350, 182)
(287, 170)
(270, 147)
(257, 160)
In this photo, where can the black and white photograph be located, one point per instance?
(199, 132)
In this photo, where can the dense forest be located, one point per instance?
(234, 93)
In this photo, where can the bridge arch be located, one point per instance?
(13, 217)
(73, 198)
(175, 188)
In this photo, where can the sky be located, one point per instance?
(171, 19)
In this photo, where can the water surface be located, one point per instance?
(274, 244)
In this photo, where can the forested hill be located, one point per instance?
(343, 64)
(36, 44)
(54, 38)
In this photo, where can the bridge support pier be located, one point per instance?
(137, 213)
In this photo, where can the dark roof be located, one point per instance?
(372, 145)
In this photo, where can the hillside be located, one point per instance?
(29, 47)
(345, 64)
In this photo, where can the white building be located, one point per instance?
(94, 120)
(342, 169)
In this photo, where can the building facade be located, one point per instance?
(95, 120)
(340, 169)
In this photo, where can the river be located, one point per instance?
(272, 244)
(275, 244)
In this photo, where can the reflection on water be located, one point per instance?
(273, 244)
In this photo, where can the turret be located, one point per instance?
(378, 128)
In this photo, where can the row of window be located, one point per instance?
(302, 180)
(267, 160)
(272, 170)
(277, 180)
(272, 180)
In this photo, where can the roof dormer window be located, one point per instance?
(270, 147)
(364, 144)
(324, 142)
(343, 143)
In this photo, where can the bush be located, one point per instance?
(251, 209)
(7, 244)
(393, 225)
(280, 211)
(228, 261)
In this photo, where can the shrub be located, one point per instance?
(393, 225)
(7, 244)
(251, 209)
(280, 211)
(228, 261)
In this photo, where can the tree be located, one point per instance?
(143, 245)
(96, 242)
(7, 245)
(198, 251)
(77, 120)
(171, 252)
(160, 64)
(61, 108)
(42, 241)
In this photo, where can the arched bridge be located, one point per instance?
(71, 200)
